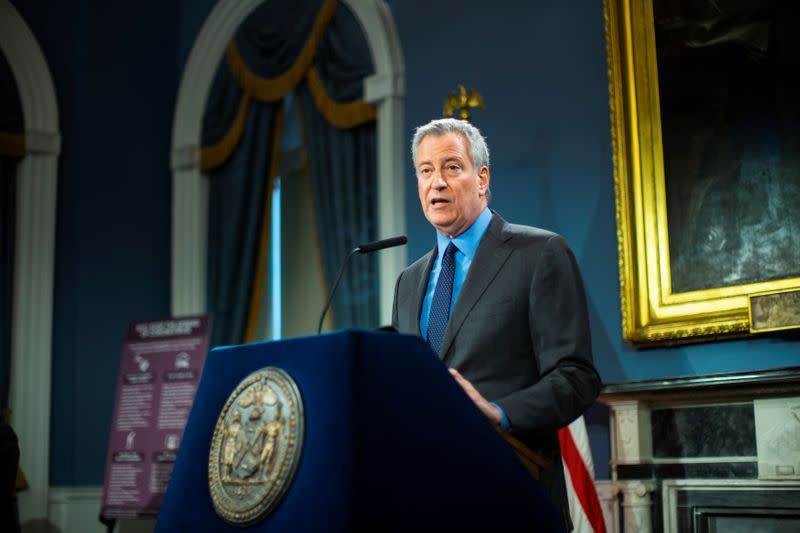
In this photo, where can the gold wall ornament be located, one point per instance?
(462, 101)
(256, 447)
(652, 312)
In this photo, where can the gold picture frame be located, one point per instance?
(652, 314)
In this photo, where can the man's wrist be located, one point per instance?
(505, 423)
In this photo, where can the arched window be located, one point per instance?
(383, 89)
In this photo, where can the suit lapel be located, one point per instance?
(490, 256)
(415, 309)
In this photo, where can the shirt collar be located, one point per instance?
(467, 242)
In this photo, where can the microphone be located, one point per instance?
(365, 248)
(380, 245)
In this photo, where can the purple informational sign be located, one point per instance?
(161, 366)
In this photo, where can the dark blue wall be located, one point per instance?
(116, 67)
(541, 67)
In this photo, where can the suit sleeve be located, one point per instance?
(395, 320)
(559, 328)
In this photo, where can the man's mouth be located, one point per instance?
(439, 201)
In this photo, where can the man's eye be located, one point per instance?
(453, 168)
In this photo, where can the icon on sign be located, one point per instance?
(142, 363)
(182, 360)
(171, 442)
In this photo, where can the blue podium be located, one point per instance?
(391, 444)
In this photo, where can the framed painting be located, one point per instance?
(705, 119)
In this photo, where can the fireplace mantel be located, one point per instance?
(674, 441)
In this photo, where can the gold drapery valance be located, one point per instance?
(219, 152)
(343, 115)
(340, 115)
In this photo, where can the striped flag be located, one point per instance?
(584, 507)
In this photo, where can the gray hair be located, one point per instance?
(477, 143)
(443, 126)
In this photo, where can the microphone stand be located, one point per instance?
(364, 248)
(333, 290)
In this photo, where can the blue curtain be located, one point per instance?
(342, 167)
(238, 193)
(318, 47)
(343, 170)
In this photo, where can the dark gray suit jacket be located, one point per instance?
(519, 332)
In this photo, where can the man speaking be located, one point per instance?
(502, 304)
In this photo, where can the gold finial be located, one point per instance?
(462, 102)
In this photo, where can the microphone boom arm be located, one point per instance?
(333, 290)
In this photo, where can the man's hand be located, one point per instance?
(491, 412)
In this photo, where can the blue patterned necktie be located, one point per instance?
(440, 306)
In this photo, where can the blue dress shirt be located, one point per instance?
(467, 243)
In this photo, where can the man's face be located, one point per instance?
(452, 192)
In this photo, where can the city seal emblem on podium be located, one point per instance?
(256, 447)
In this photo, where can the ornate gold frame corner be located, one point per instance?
(651, 313)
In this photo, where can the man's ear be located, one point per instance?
(484, 178)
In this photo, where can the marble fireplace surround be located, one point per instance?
(676, 441)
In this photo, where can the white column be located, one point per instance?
(631, 443)
(33, 325)
(637, 506)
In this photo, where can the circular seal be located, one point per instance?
(256, 447)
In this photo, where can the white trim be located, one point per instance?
(190, 189)
(31, 350)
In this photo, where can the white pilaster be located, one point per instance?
(631, 438)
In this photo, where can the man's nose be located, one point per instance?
(438, 181)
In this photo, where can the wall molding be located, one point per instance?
(32, 327)
(190, 188)
(75, 509)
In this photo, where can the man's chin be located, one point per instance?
(441, 224)
(448, 231)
